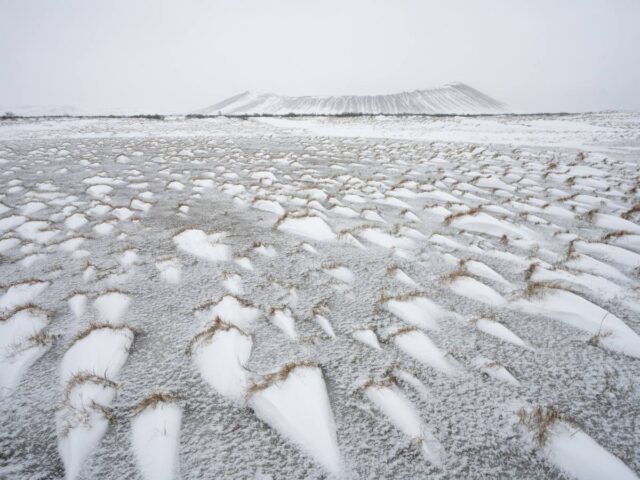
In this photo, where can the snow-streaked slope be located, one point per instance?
(456, 98)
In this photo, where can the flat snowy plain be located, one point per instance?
(371, 297)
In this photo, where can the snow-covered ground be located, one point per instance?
(371, 297)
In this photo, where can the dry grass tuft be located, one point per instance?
(571, 250)
(280, 375)
(633, 210)
(213, 303)
(29, 281)
(304, 212)
(473, 211)
(595, 340)
(535, 289)
(208, 334)
(614, 234)
(590, 215)
(460, 272)
(30, 306)
(540, 420)
(528, 273)
(99, 326)
(387, 382)
(87, 377)
(154, 400)
(404, 330)
(41, 339)
(400, 298)
(330, 265)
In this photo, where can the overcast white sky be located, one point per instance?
(163, 56)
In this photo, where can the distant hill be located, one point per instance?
(39, 110)
(454, 98)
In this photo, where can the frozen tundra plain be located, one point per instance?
(370, 297)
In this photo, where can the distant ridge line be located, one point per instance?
(453, 98)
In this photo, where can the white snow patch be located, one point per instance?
(155, 436)
(201, 245)
(298, 408)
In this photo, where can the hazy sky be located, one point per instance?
(162, 56)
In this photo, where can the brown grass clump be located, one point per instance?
(540, 420)
(74, 293)
(595, 340)
(473, 211)
(320, 306)
(528, 273)
(30, 281)
(41, 339)
(30, 306)
(590, 215)
(330, 265)
(154, 400)
(535, 289)
(403, 330)
(629, 213)
(206, 335)
(99, 326)
(614, 234)
(387, 382)
(460, 272)
(87, 377)
(571, 250)
(304, 212)
(400, 298)
(280, 375)
(213, 303)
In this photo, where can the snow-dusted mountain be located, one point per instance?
(455, 98)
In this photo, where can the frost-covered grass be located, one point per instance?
(357, 297)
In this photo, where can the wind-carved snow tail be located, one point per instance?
(607, 329)
(221, 354)
(416, 310)
(283, 319)
(295, 403)
(112, 306)
(312, 227)
(475, 290)
(199, 244)
(494, 370)
(232, 311)
(404, 416)
(155, 435)
(418, 345)
(88, 370)
(21, 294)
(22, 342)
(498, 330)
(569, 448)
